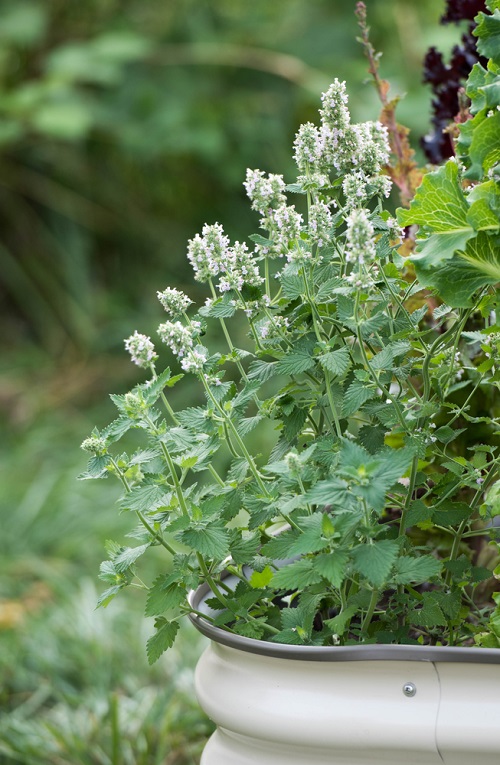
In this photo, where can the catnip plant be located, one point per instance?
(341, 462)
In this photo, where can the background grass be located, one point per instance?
(124, 126)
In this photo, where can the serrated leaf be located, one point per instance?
(145, 498)
(194, 418)
(292, 286)
(162, 597)
(440, 209)
(355, 396)
(262, 370)
(212, 541)
(153, 391)
(340, 622)
(247, 424)
(260, 579)
(163, 639)
(311, 539)
(332, 566)
(296, 576)
(107, 596)
(429, 615)
(221, 308)
(336, 362)
(294, 363)
(374, 561)
(116, 429)
(128, 556)
(409, 570)
(332, 491)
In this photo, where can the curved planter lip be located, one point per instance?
(371, 652)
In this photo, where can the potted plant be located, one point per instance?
(327, 505)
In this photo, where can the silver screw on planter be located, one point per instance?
(409, 689)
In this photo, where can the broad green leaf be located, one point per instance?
(340, 622)
(162, 597)
(261, 579)
(333, 491)
(128, 556)
(440, 209)
(153, 391)
(336, 362)
(408, 570)
(211, 541)
(107, 596)
(374, 561)
(488, 33)
(243, 548)
(293, 286)
(296, 576)
(262, 370)
(484, 149)
(311, 539)
(355, 396)
(294, 363)
(145, 498)
(332, 566)
(430, 614)
(162, 639)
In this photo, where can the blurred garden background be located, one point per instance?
(125, 125)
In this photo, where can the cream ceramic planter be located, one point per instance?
(363, 705)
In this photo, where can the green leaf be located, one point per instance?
(409, 570)
(211, 541)
(128, 556)
(484, 149)
(333, 491)
(162, 596)
(145, 498)
(260, 579)
(162, 639)
(221, 308)
(296, 576)
(293, 286)
(488, 33)
(337, 362)
(332, 566)
(262, 370)
(374, 561)
(430, 614)
(440, 209)
(458, 279)
(355, 396)
(340, 622)
(153, 391)
(294, 363)
(107, 596)
(311, 539)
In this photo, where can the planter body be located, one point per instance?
(288, 705)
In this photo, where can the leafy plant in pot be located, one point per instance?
(327, 506)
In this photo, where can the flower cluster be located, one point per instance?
(356, 151)
(181, 341)
(174, 301)
(285, 224)
(94, 445)
(264, 193)
(141, 349)
(207, 253)
(360, 241)
(240, 268)
(320, 223)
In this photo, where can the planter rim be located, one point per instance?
(371, 652)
